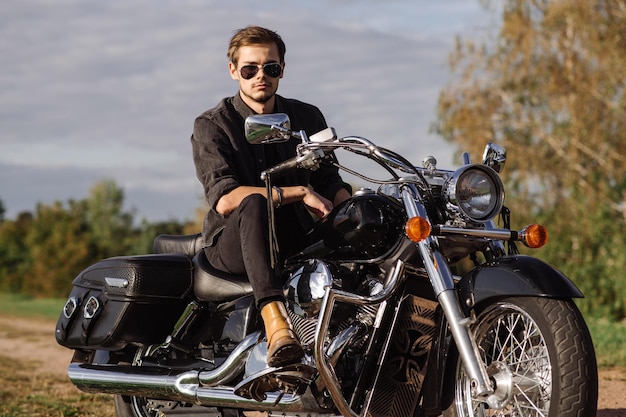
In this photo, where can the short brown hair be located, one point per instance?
(254, 35)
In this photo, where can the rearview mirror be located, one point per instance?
(494, 156)
(267, 128)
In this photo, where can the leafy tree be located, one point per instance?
(63, 241)
(550, 88)
(144, 237)
(195, 226)
(41, 253)
(15, 257)
(60, 246)
(109, 224)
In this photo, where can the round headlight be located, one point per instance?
(476, 192)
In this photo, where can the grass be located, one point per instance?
(609, 339)
(27, 306)
(28, 391)
(25, 393)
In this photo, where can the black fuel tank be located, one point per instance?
(365, 227)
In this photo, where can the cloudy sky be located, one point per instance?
(93, 90)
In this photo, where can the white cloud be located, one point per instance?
(110, 89)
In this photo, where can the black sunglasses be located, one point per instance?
(272, 69)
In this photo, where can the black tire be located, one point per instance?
(132, 407)
(140, 407)
(540, 351)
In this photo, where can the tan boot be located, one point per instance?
(283, 347)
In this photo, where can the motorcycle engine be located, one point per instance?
(305, 290)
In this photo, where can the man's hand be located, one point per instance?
(319, 205)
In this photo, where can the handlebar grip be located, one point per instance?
(281, 168)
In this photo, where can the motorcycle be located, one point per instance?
(409, 301)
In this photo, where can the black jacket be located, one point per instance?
(224, 159)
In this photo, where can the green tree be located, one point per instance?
(62, 241)
(144, 236)
(15, 257)
(110, 226)
(41, 253)
(550, 88)
(2, 211)
(60, 246)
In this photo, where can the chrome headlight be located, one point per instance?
(475, 192)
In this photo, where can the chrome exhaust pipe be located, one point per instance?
(198, 387)
(94, 377)
(132, 380)
(163, 384)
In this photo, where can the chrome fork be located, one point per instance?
(443, 286)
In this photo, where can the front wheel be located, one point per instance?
(539, 356)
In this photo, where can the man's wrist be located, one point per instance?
(279, 196)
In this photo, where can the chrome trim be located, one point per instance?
(72, 303)
(267, 128)
(450, 193)
(92, 306)
(500, 234)
(498, 246)
(466, 344)
(190, 386)
(327, 373)
(442, 281)
(185, 319)
(116, 282)
(233, 365)
(491, 231)
(159, 383)
(343, 340)
(438, 272)
(494, 156)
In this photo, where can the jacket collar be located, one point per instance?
(244, 110)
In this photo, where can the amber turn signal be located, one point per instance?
(417, 229)
(534, 236)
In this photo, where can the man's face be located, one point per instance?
(261, 87)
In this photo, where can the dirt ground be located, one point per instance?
(29, 339)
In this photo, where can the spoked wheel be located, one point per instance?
(130, 406)
(135, 406)
(539, 357)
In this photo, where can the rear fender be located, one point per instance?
(516, 275)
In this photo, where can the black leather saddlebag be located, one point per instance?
(128, 299)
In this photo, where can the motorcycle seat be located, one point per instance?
(186, 244)
(211, 284)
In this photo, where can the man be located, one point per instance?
(235, 230)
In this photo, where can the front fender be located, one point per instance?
(515, 275)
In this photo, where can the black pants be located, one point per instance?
(243, 246)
